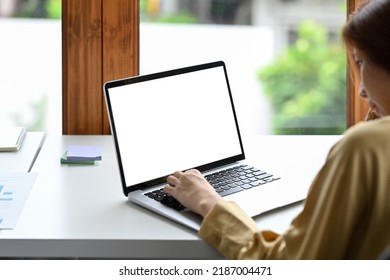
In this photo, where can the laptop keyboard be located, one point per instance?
(225, 182)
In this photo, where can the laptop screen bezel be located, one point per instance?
(142, 78)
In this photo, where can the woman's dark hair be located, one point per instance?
(368, 29)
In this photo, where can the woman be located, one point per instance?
(347, 211)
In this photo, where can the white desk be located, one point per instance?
(81, 212)
(22, 160)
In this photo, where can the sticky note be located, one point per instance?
(64, 160)
(77, 152)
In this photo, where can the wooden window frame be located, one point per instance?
(100, 42)
(357, 107)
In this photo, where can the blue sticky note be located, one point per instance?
(76, 152)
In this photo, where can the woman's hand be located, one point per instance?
(192, 190)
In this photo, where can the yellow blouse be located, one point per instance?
(346, 213)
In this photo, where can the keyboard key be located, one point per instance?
(247, 186)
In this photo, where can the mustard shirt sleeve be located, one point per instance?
(325, 229)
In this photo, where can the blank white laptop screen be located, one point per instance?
(173, 123)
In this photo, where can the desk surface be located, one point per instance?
(81, 212)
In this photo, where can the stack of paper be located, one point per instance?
(76, 154)
(11, 138)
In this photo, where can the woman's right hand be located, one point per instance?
(192, 190)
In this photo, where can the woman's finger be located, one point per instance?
(169, 189)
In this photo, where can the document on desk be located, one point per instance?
(14, 191)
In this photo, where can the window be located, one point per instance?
(24, 112)
(30, 68)
(125, 13)
(286, 65)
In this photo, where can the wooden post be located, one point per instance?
(100, 42)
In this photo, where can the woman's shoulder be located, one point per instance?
(378, 127)
(374, 134)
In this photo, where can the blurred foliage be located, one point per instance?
(149, 10)
(39, 9)
(306, 85)
(38, 120)
(181, 18)
(54, 9)
(191, 12)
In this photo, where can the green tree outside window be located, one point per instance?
(306, 85)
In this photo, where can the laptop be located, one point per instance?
(181, 119)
